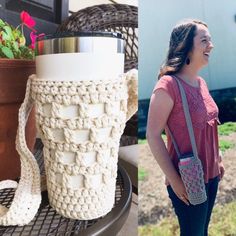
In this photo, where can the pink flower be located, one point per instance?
(33, 38)
(27, 19)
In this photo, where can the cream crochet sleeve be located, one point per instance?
(28, 194)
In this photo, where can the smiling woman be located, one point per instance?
(189, 41)
(181, 104)
(202, 46)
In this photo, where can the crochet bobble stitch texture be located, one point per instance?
(80, 146)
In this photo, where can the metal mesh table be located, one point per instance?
(47, 222)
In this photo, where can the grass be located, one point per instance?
(168, 227)
(224, 145)
(222, 224)
(142, 174)
(227, 128)
(142, 141)
(223, 220)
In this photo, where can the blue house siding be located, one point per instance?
(156, 20)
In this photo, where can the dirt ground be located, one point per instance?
(154, 203)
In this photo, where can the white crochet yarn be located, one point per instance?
(80, 124)
(28, 195)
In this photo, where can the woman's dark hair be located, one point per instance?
(181, 43)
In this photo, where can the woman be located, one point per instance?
(189, 50)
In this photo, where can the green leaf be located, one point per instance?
(8, 30)
(26, 52)
(5, 36)
(16, 34)
(7, 52)
(2, 22)
(17, 54)
(15, 46)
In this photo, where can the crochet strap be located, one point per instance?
(188, 121)
(131, 78)
(27, 196)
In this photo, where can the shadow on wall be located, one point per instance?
(224, 98)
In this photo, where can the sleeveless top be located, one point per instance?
(204, 116)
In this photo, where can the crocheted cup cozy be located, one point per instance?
(80, 124)
(192, 175)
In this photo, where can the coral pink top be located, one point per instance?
(204, 115)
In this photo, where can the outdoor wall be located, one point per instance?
(156, 20)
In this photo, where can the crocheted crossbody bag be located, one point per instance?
(80, 151)
(190, 166)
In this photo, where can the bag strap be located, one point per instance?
(27, 196)
(188, 121)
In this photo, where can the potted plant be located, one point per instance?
(16, 64)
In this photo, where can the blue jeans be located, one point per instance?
(194, 220)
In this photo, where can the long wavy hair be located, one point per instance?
(181, 43)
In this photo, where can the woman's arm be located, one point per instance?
(160, 107)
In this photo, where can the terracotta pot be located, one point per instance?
(13, 78)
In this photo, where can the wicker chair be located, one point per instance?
(109, 17)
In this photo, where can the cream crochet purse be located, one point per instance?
(80, 124)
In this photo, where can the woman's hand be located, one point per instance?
(222, 170)
(221, 165)
(180, 191)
